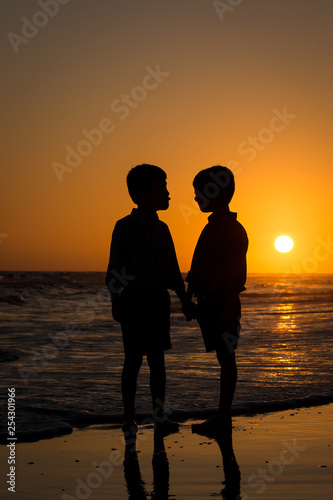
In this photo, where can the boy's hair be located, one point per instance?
(215, 183)
(142, 178)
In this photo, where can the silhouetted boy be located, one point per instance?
(217, 276)
(142, 267)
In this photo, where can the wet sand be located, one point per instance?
(287, 454)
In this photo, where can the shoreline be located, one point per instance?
(54, 423)
(285, 454)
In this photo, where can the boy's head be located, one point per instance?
(147, 187)
(214, 188)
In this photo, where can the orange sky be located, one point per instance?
(173, 84)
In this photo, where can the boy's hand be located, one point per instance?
(189, 309)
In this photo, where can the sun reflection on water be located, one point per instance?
(286, 320)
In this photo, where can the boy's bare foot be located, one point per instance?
(166, 426)
(130, 426)
(214, 425)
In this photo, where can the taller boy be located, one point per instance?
(142, 267)
(217, 276)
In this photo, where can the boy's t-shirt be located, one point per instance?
(142, 255)
(143, 266)
(219, 259)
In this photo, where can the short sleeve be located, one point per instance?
(115, 260)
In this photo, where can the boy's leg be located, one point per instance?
(157, 381)
(157, 387)
(132, 365)
(228, 380)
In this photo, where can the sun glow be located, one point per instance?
(283, 244)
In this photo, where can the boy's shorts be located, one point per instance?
(209, 309)
(145, 321)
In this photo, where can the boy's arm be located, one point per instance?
(236, 280)
(114, 267)
(117, 306)
(189, 291)
(115, 261)
(189, 308)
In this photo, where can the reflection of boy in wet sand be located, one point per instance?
(135, 483)
(217, 276)
(142, 267)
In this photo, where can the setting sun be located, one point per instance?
(283, 244)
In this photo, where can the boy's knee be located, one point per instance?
(225, 356)
(133, 360)
(155, 359)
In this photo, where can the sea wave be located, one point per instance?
(44, 423)
(285, 352)
(56, 278)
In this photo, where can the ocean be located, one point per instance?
(62, 351)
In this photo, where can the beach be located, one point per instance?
(286, 454)
(67, 350)
(62, 357)
(160, 154)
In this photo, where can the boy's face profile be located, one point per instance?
(214, 188)
(205, 204)
(158, 196)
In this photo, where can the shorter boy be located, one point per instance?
(217, 276)
(142, 267)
